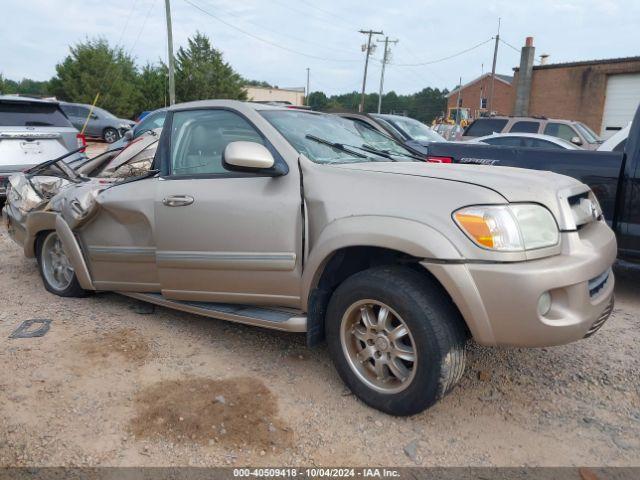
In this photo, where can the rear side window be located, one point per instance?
(525, 127)
(485, 126)
(23, 114)
(560, 130)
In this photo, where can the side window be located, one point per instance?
(81, 112)
(199, 137)
(485, 126)
(537, 143)
(525, 127)
(560, 130)
(504, 141)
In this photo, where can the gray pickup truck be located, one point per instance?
(305, 222)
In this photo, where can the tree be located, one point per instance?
(152, 87)
(202, 73)
(317, 101)
(94, 67)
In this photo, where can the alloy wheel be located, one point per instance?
(378, 346)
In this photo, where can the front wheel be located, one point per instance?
(56, 270)
(110, 135)
(396, 339)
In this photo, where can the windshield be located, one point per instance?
(303, 130)
(588, 134)
(412, 128)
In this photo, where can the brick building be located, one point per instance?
(474, 96)
(601, 93)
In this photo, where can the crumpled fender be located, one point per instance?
(74, 253)
(408, 236)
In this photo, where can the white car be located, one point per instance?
(531, 140)
(616, 142)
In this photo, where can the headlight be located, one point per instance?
(509, 228)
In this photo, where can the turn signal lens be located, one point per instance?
(477, 227)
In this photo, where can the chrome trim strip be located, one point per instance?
(227, 260)
(293, 324)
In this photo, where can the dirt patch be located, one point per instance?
(125, 342)
(237, 412)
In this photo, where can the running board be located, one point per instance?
(276, 318)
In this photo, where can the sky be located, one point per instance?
(277, 40)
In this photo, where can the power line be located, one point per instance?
(284, 34)
(509, 45)
(264, 40)
(443, 58)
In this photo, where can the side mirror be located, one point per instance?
(247, 157)
(576, 140)
(128, 135)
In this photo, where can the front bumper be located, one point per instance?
(499, 301)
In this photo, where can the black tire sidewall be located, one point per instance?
(110, 129)
(426, 386)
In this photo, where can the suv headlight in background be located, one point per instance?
(509, 228)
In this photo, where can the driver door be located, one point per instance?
(225, 236)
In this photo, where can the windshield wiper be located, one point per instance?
(389, 154)
(336, 145)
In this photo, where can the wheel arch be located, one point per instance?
(353, 244)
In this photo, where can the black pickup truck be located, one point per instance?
(613, 176)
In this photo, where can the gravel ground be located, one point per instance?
(117, 383)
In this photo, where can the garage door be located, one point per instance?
(623, 97)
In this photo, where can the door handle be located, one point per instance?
(178, 201)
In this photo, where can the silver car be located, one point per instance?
(102, 124)
(31, 132)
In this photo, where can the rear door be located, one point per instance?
(224, 236)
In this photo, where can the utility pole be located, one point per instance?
(385, 60)
(367, 48)
(172, 81)
(458, 106)
(306, 99)
(493, 71)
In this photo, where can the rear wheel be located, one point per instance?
(56, 270)
(110, 135)
(396, 339)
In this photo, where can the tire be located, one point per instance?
(436, 335)
(110, 135)
(51, 256)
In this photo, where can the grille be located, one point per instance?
(584, 208)
(603, 318)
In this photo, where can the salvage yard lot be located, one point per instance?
(113, 383)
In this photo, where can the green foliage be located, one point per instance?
(317, 100)
(202, 73)
(424, 105)
(257, 83)
(153, 87)
(26, 86)
(93, 66)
